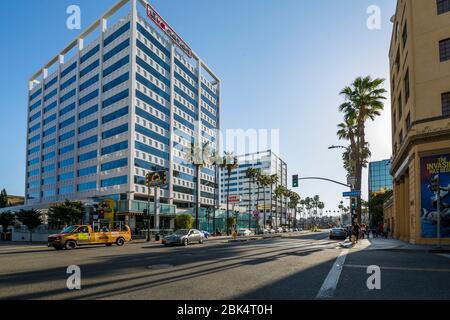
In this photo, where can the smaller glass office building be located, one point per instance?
(380, 179)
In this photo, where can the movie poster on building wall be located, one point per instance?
(430, 167)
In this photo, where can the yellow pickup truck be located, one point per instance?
(83, 235)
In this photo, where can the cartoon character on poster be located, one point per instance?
(430, 168)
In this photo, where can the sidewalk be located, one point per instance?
(396, 245)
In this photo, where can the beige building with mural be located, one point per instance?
(420, 93)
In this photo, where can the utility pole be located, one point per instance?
(147, 182)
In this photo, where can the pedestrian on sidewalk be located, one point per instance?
(355, 233)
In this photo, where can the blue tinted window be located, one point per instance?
(154, 72)
(185, 82)
(115, 115)
(36, 105)
(33, 184)
(34, 161)
(87, 156)
(34, 128)
(151, 134)
(50, 106)
(116, 131)
(89, 82)
(88, 126)
(116, 50)
(153, 55)
(49, 180)
(35, 116)
(49, 143)
(66, 149)
(48, 193)
(49, 156)
(120, 96)
(89, 68)
(88, 112)
(207, 89)
(147, 165)
(185, 96)
(87, 186)
(122, 62)
(67, 122)
(116, 34)
(114, 181)
(69, 69)
(152, 87)
(89, 54)
(87, 171)
(34, 150)
(67, 109)
(152, 102)
(49, 119)
(186, 70)
(67, 83)
(115, 148)
(65, 190)
(114, 83)
(49, 131)
(66, 163)
(66, 176)
(88, 97)
(66, 135)
(51, 95)
(51, 83)
(34, 139)
(36, 94)
(87, 142)
(156, 152)
(155, 42)
(114, 164)
(49, 168)
(33, 173)
(152, 118)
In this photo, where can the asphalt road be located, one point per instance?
(297, 266)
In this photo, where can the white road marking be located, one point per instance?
(445, 255)
(331, 282)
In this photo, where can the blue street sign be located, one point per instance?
(354, 193)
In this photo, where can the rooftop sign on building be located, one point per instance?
(164, 26)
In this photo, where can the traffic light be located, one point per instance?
(147, 179)
(434, 183)
(353, 204)
(295, 181)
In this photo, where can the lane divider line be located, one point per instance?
(332, 279)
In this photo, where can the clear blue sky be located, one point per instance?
(282, 63)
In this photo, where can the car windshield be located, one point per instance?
(68, 229)
(181, 232)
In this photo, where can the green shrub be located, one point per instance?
(184, 221)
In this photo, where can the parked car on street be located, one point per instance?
(244, 232)
(84, 235)
(184, 237)
(338, 233)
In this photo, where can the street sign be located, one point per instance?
(234, 199)
(354, 193)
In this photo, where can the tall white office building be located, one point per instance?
(104, 112)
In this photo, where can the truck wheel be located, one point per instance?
(70, 245)
(58, 247)
(120, 242)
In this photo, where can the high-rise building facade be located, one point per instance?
(103, 114)
(248, 193)
(420, 88)
(380, 179)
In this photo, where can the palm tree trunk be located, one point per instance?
(215, 199)
(249, 204)
(228, 202)
(197, 201)
(257, 204)
(264, 204)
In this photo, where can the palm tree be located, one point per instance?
(363, 102)
(251, 174)
(279, 193)
(264, 181)
(198, 155)
(230, 162)
(273, 180)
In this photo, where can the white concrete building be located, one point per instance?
(247, 191)
(102, 113)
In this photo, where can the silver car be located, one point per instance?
(184, 237)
